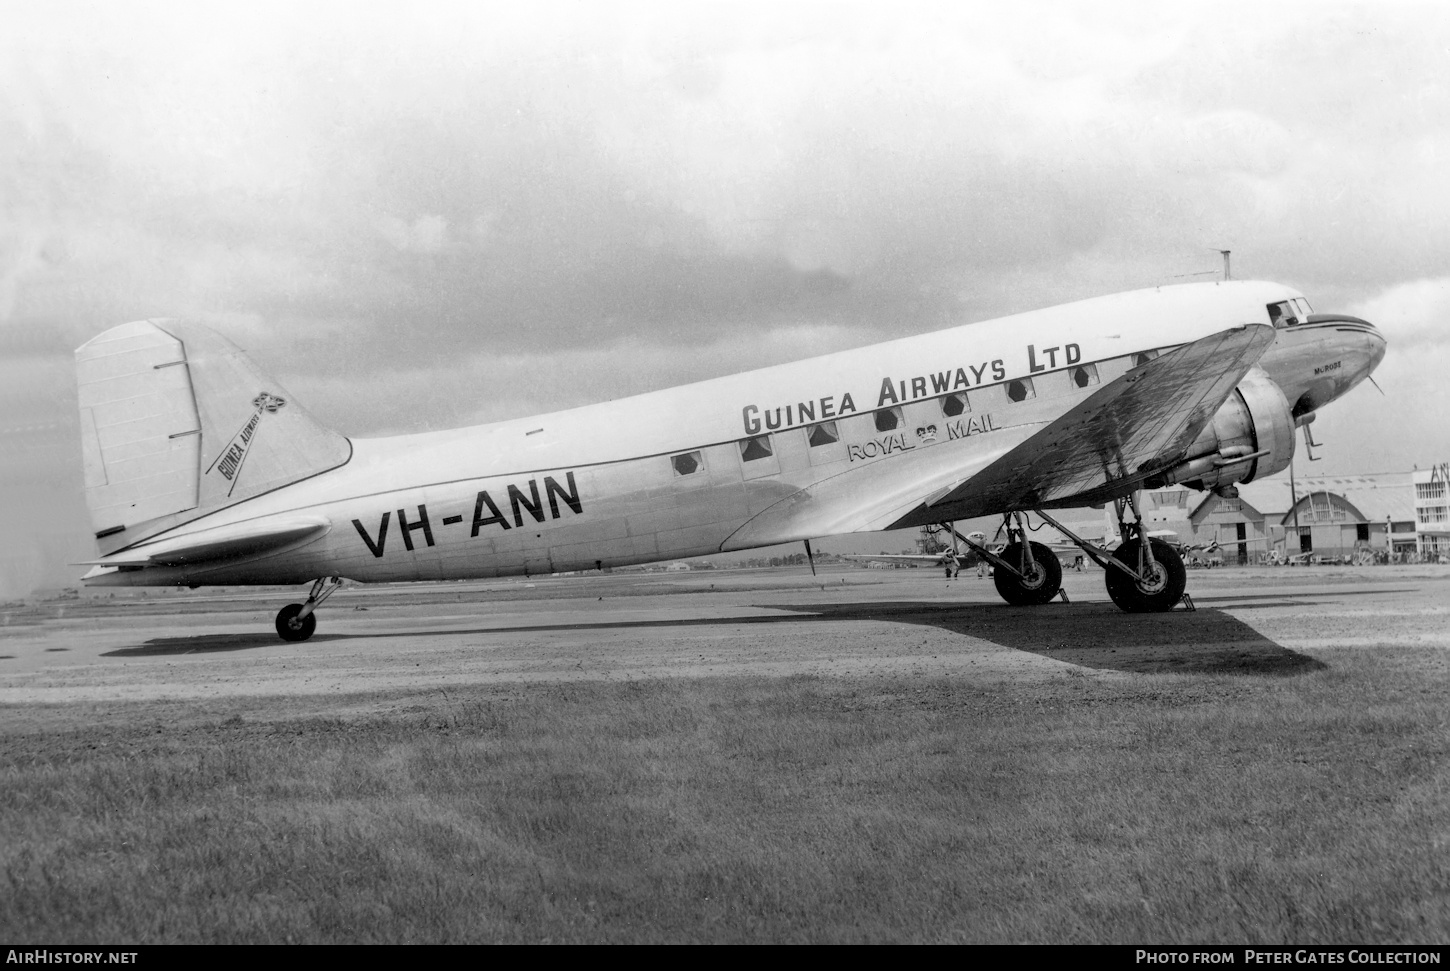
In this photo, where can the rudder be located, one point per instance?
(176, 421)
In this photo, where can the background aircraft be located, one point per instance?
(959, 549)
(200, 469)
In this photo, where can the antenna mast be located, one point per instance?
(1225, 253)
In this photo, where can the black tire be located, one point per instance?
(1039, 588)
(1160, 593)
(289, 628)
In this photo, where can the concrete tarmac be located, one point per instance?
(847, 621)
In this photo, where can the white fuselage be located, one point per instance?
(674, 473)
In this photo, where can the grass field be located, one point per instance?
(1093, 806)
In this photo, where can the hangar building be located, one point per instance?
(1332, 516)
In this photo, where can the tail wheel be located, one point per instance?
(293, 628)
(1040, 582)
(1159, 591)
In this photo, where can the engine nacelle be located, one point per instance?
(1250, 437)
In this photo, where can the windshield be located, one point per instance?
(1287, 313)
(1283, 314)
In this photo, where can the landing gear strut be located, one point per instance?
(1160, 581)
(1025, 573)
(1143, 575)
(1038, 576)
(296, 622)
(1155, 578)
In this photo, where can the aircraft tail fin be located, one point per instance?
(176, 421)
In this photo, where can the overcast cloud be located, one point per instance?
(436, 214)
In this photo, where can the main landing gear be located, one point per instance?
(1159, 581)
(1036, 579)
(1143, 575)
(296, 622)
(1025, 573)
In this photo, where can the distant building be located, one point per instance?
(1330, 515)
(1432, 509)
(1163, 509)
(1363, 516)
(1245, 533)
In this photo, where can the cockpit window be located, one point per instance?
(1303, 307)
(1283, 314)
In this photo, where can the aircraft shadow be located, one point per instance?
(210, 644)
(1088, 634)
(1251, 601)
(1099, 635)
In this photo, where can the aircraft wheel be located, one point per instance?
(1157, 593)
(1038, 588)
(290, 628)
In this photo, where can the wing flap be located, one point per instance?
(1132, 427)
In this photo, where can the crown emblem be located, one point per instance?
(268, 402)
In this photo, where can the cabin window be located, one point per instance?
(822, 434)
(687, 463)
(1143, 357)
(754, 449)
(954, 404)
(1020, 389)
(1084, 375)
(889, 419)
(757, 457)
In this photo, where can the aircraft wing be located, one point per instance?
(237, 541)
(1132, 427)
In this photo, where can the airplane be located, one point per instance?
(1170, 536)
(951, 558)
(201, 470)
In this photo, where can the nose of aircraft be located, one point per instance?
(1377, 344)
(1343, 352)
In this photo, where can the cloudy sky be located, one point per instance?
(433, 214)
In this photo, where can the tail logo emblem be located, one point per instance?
(229, 462)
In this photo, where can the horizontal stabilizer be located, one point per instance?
(232, 542)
